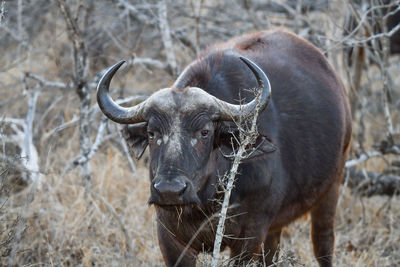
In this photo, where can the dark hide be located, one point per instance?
(304, 137)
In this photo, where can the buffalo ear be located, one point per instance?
(136, 138)
(227, 137)
(262, 146)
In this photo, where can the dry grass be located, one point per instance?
(367, 233)
(68, 226)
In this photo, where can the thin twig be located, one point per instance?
(96, 144)
(43, 82)
(2, 12)
(363, 157)
(127, 154)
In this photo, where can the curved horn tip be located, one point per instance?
(247, 61)
(262, 80)
(111, 71)
(244, 59)
(261, 76)
(253, 66)
(121, 62)
(114, 68)
(105, 80)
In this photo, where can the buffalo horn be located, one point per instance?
(111, 109)
(229, 112)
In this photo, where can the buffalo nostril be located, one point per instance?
(182, 187)
(158, 186)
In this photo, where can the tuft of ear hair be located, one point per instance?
(136, 138)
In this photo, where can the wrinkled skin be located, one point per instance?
(297, 167)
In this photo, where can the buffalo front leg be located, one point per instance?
(244, 253)
(173, 251)
(247, 248)
(322, 229)
(270, 247)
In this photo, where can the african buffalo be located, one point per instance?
(304, 134)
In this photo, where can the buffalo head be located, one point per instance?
(182, 128)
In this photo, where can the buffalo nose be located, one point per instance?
(170, 190)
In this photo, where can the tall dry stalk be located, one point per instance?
(247, 137)
(166, 37)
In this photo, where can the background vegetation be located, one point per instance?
(70, 193)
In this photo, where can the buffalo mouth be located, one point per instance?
(192, 203)
(180, 207)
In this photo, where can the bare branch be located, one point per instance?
(152, 21)
(2, 12)
(61, 127)
(184, 39)
(135, 12)
(43, 82)
(23, 138)
(116, 42)
(166, 36)
(197, 13)
(19, 18)
(388, 34)
(80, 83)
(93, 111)
(148, 62)
(14, 35)
(386, 89)
(246, 138)
(82, 159)
(19, 122)
(351, 40)
(363, 157)
(371, 183)
(30, 151)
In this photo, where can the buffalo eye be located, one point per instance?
(204, 133)
(151, 135)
